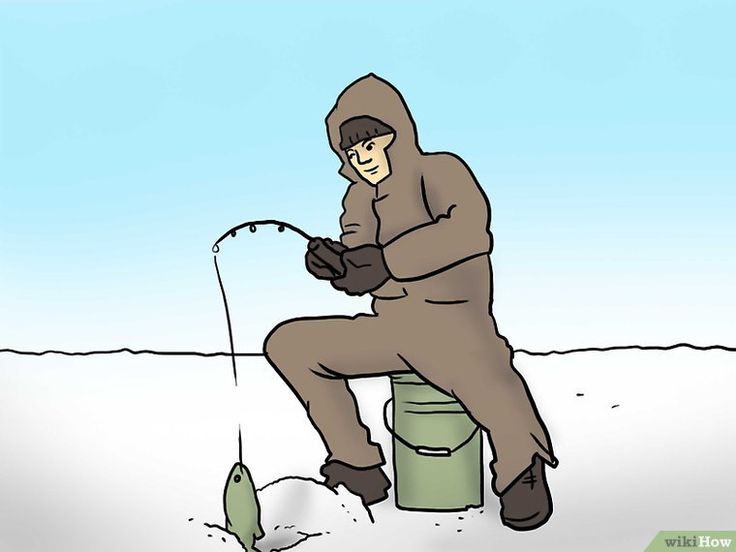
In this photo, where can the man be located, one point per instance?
(415, 235)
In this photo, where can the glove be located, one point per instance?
(365, 270)
(323, 258)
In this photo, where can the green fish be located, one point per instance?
(242, 511)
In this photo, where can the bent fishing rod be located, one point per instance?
(317, 246)
(253, 225)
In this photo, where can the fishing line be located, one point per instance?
(252, 226)
(227, 316)
(240, 446)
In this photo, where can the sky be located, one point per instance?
(133, 134)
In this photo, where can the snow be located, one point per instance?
(118, 452)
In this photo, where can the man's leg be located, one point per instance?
(314, 356)
(474, 364)
(497, 397)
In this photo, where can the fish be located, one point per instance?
(242, 510)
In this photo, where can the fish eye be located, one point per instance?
(237, 478)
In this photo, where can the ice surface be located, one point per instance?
(117, 453)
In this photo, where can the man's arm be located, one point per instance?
(358, 221)
(458, 230)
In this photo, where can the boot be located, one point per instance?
(370, 484)
(527, 503)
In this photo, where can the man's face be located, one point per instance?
(369, 158)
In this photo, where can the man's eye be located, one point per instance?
(369, 146)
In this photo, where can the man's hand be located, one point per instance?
(365, 270)
(323, 258)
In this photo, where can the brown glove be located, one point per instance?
(323, 258)
(365, 270)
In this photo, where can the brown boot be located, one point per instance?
(527, 504)
(370, 484)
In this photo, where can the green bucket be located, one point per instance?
(437, 454)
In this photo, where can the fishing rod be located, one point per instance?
(319, 247)
(253, 225)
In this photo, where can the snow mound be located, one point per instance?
(202, 534)
(295, 509)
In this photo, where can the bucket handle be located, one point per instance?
(425, 450)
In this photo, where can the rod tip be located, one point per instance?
(215, 248)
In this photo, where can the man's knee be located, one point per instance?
(294, 345)
(281, 342)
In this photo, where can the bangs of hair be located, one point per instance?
(357, 129)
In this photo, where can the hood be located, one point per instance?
(373, 96)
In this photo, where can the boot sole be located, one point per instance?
(527, 524)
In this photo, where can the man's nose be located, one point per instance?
(368, 160)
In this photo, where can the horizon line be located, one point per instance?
(250, 354)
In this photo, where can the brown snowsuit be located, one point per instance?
(433, 316)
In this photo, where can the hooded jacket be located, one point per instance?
(429, 215)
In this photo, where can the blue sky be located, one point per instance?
(132, 134)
